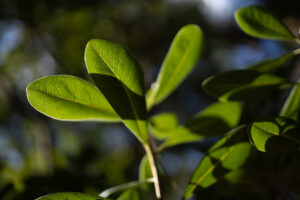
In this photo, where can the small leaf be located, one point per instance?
(273, 64)
(291, 107)
(129, 195)
(183, 54)
(229, 153)
(163, 124)
(259, 22)
(70, 196)
(145, 169)
(216, 119)
(120, 78)
(269, 134)
(69, 98)
(241, 84)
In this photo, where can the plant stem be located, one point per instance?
(154, 170)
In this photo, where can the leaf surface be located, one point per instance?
(69, 98)
(120, 78)
(291, 107)
(129, 195)
(241, 84)
(259, 22)
(70, 196)
(228, 154)
(145, 169)
(183, 54)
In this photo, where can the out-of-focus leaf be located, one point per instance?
(228, 154)
(267, 135)
(216, 119)
(183, 54)
(69, 98)
(70, 196)
(145, 169)
(291, 107)
(120, 78)
(273, 64)
(259, 22)
(129, 195)
(163, 124)
(241, 84)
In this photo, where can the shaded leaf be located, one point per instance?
(273, 64)
(70, 196)
(241, 84)
(216, 119)
(161, 125)
(69, 98)
(291, 107)
(229, 153)
(120, 78)
(259, 22)
(129, 195)
(145, 169)
(183, 54)
(269, 134)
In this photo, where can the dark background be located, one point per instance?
(39, 155)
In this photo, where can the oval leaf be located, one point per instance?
(216, 119)
(129, 195)
(241, 84)
(70, 196)
(229, 153)
(69, 98)
(120, 78)
(291, 107)
(269, 134)
(183, 54)
(259, 22)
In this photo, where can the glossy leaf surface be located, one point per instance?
(216, 119)
(183, 54)
(228, 154)
(241, 84)
(291, 107)
(274, 134)
(129, 195)
(120, 78)
(69, 98)
(259, 22)
(70, 196)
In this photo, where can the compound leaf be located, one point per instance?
(69, 98)
(183, 54)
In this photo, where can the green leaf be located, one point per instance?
(161, 125)
(120, 78)
(273, 64)
(69, 98)
(229, 153)
(216, 119)
(259, 22)
(267, 135)
(291, 107)
(129, 195)
(70, 196)
(183, 54)
(145, 169)
(241, 84)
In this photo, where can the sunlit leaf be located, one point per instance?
(216, 119)
(161, 125)
(145, 169)
(269, 134)
(70, 196)
(229, 153)
(273, 64)
(291, 107)
(241, 84)
(183, 54)
(69, 98)
(120, 78)
(129, 195)
(259, 22)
